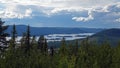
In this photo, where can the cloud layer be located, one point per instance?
(11, 8)
(92, 11)
(108, 13)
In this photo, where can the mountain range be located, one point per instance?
(37, 31)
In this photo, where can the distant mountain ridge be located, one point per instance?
(110, 32)
(51, 30)
(110, 35)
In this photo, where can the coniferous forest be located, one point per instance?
(36, 54)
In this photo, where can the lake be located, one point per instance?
(58, 37)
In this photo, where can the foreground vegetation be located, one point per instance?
(36, 54)
(72, 56)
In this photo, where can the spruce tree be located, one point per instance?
(22, 40)
(51, 51)
(41, 43)
(27, 40)
(63, 48)
(33, 40)
(14, 35)
(33, 43)
(3, 42)
(76, 48)
(45, 46)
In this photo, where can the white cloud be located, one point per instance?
(28, 12)
(84, 19)
(70, 9)
(110, 13)
(11, 13)
(117, 20)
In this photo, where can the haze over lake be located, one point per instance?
(58, 37)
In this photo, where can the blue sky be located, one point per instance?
(62, 13)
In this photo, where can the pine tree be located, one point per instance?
(33, 41)
(41, 43)
(116, 56)
(45, 46)
(3, 42)
(63, 49)
(76, 53)
(51, 51)
(76, 47)
(105, 55)
(14, 35)
(22, 40)
(27, 40)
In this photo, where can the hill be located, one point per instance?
(51, 30)
(110, 35)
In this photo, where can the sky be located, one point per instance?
(61, 13)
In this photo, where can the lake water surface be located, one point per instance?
(58, 37)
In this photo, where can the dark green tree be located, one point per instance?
(63, 48)
(105, 55)
(42, 44)
(27, 40)
(33, 40)
(45, 46)
(76, 53)
(63, 54)
(51, 51)
(14, 35)
(116, 56)
(22, 40)
(76, 47)
(3, 42)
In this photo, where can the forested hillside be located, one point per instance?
(110, 35)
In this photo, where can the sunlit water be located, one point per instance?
(58, 37)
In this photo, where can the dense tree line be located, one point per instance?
(36, 54)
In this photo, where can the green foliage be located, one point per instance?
(77, 54)
(3, 34)
(88, 55)
(42, 45)
(14, 35)
(63, 49)
(2, 29)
